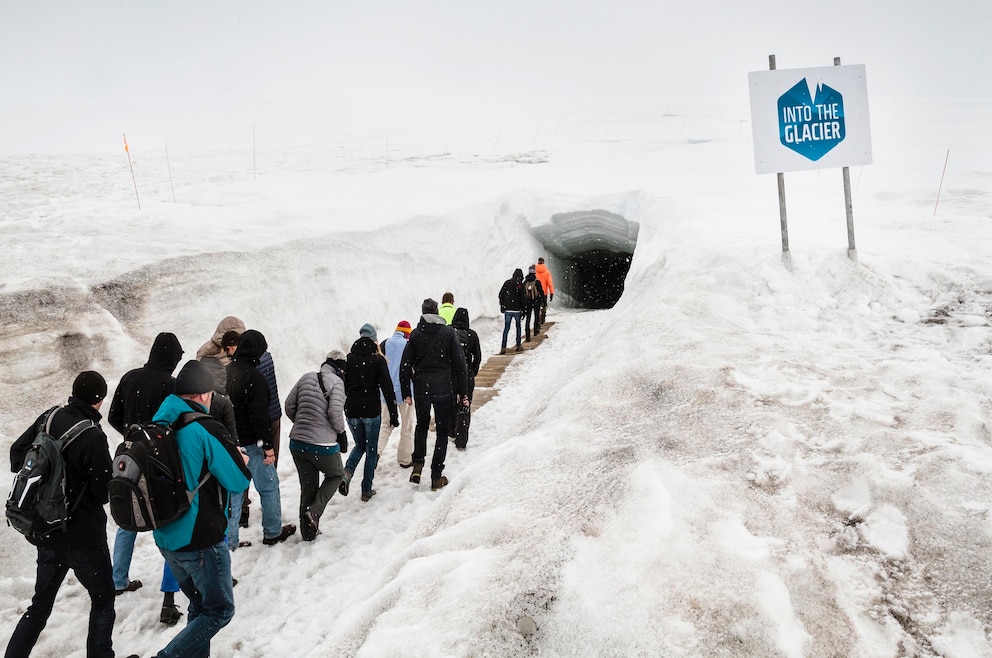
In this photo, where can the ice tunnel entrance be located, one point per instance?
(590, 253)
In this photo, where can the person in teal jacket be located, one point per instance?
(195, 544)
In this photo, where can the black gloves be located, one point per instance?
(394, 420)
(551, 297)
(343, 441)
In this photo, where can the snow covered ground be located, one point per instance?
(735, 460)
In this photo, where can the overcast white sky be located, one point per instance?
(120, 57)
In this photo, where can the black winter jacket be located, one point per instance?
(88, 468)
(511, 295)
(365, 375)
(141, 391)
(433, 360)
(249, 392)
(469, 341)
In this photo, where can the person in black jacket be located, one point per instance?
(249, 393)
(511, 304)
(137, 398)
(82, 546)
(365, 376)
(434, 364)
(469, 340)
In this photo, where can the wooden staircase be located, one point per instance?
(495, 365)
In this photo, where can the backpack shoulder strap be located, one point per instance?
(323, 389)
(185, 419)
(70, 434)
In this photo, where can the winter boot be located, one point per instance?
(288, 531)
(345, 483)
(438, 483)
(170, 615)
(366, 497)
(309, 526)
(418, 467)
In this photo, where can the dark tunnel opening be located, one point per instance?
(596, 278)
(590, 253)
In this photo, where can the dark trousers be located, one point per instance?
(314, 492)
(442, 421)
(534, 310)
(94, 572)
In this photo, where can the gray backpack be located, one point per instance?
(37, 504)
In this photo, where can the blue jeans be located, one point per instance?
(442, 421)
(93, 571)
(123, 550)
(234, 520)
(365, 431)
(267, 485)
(509, 316)
(205, 578)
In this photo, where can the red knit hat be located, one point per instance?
(404, 326)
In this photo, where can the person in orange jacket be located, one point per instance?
(547, 284)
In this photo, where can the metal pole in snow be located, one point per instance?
(133, 179)
(783, 219)
(852, 251)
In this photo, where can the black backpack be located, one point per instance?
(37, 504)
(147, 489)
(464, 339)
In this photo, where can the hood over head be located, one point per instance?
(518, 275)
(460, 319)
(251, 346)
(166, 353)
(364, 346)
(213, 346)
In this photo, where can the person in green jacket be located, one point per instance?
(447, 310)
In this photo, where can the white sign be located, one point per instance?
(810, 118)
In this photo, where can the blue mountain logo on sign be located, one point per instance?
(811, 127)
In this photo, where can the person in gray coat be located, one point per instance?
(315, 405)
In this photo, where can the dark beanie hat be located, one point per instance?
(429, 306)
(89, 386)
(193, 379)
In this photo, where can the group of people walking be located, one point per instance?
(414, 374)
(527, 297)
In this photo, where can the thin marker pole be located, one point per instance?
(133, 179)
(169, 165)
(941, 186)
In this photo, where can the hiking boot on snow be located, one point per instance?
(309, 526)
(415, 476)
(366, 497)
(438, 483)
(130, 587)
(170, 615)
(288, 531)
(345, 483)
